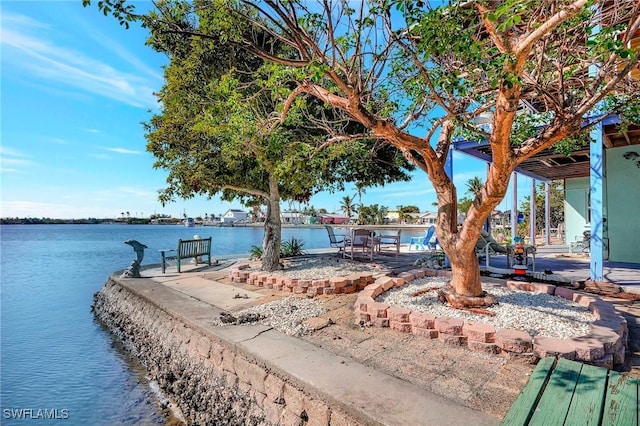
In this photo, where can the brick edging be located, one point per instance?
(603, 346)
(351, 283)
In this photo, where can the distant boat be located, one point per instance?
(189, 222)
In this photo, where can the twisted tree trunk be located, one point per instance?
(272, 229)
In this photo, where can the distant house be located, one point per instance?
(292, 217)
(333, 219)
(393, 216)
(234, 215)
(428, 218)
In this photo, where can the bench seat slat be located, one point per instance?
(621, 401)
(523, 407)
(556, 399)
(588, 399)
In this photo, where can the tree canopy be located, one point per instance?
(419, 74)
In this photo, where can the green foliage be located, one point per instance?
(409, 209)
(405, 213)
(347, 206)
(255, 253)
(291, 248)
(464, 204)
(214, 134)
(372, 215)
(570, 144)
(556, 199)
(377, 84)
(474, 185)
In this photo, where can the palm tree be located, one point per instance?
(346, 205)
(474, 186)
(360, 189)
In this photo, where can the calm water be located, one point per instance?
(54, 355)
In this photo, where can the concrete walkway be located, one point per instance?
(369, 395)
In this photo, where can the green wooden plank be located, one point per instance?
(556, 399)
(621, 402)
(522, 408)
(588, 398)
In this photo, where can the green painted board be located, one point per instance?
(621, 401)
(522, 408)
(588, 398)
(556, 399)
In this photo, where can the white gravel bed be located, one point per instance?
(318, 269)
(285, 315)
(538, 314)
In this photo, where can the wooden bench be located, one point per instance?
(563, 392)
(187, 249)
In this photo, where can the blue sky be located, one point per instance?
(75, 88)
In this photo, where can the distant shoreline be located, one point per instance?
(132, 221)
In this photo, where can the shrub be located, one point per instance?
(255, 253)
(292, 248)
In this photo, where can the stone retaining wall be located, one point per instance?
(604, 346)
(211, 380)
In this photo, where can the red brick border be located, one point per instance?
(603, 346)
(335, 285)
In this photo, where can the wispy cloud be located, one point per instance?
(6, 151)
(121, 51)
(124, 151)
(101, 156)
(59, 141)
(14, 161)
(27, 45)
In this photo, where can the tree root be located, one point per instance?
(448, 296)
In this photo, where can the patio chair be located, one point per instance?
(362, 239)
(583, 242)
(336, 241)
(486, 247)
(390, 240)
(424, 243)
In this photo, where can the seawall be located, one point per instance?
(253, 374)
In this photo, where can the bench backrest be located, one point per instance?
(193, 248)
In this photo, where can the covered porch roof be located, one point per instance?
(549, 165)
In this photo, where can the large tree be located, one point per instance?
(213, 137)
(417, 76)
